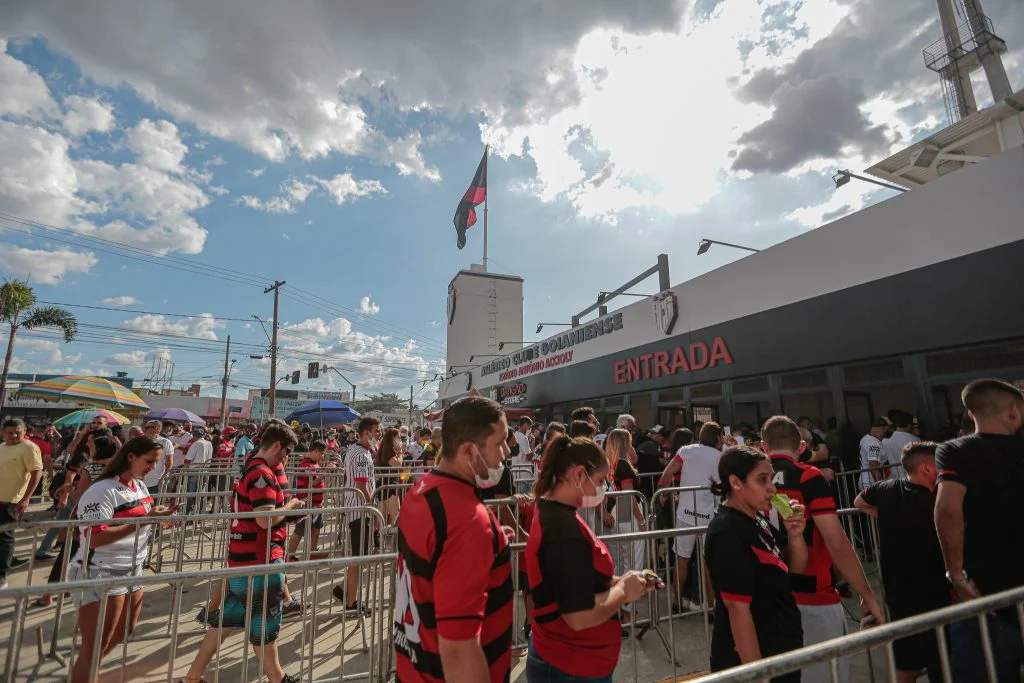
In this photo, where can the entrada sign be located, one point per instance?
(697, 356)
(561, 345)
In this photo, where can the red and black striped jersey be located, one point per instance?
(114, 499)
(806, 484)
(567, 567)
(308, 471)
(260, 486)
(454, 579)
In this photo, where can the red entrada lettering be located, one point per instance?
(682, 359)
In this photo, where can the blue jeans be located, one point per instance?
(968, 658)
(539, 671)
(51, 535)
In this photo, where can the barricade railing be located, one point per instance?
(306, 638)
(343, 519)
(981, 610)
(653, 613)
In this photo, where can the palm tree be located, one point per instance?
(18, 309)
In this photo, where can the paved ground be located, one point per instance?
(322, 645)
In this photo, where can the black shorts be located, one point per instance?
(360, 538)
(916, 652)
(317, 521)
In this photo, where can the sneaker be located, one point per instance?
(291, 607)
(43, 557)
(339, 593)
(18, 562)
(290, 679)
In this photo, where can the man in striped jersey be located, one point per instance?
(255, 542)
(359, 475)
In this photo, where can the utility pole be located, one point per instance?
(276, 288)
(410, 411)
(224, 386)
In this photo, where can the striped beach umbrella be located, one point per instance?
(85, 391)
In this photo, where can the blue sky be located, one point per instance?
(329, 148)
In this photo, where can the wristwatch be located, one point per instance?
(956, 583)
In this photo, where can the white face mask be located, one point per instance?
(592, 501)
(493, 474)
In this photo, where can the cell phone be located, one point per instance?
(651, 575)
(728, 430)
(782, 506)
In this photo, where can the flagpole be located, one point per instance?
(486, 155)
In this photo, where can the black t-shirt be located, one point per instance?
(567, 566)
(991, 467)
(913, 573)
(744, 557)
(648, 460)
(503, 489)
(624, 472)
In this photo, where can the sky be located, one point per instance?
(165, 162)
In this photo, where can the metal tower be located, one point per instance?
(968, 43)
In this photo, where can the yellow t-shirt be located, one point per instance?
(17, 463)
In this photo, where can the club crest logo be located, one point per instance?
(666, 311)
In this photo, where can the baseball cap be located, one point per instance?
(882, 421)
(229, 430)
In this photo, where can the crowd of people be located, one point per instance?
(777, 559)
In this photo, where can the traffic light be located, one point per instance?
(295, 377)
(313, 371)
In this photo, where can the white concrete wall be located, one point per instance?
(469, 331)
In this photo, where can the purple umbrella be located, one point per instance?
(175, 415)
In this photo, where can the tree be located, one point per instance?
(385, 403)
(18, 309)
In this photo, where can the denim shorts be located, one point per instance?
(264, 613)
(83, 573)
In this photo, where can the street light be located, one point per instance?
(642, 296)
(501, 345)
(540, 326)
(484, 355)
(842, 177)
(705, 244)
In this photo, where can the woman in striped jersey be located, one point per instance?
(114, 550)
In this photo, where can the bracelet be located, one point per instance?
(956, 583)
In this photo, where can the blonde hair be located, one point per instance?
(617, 446)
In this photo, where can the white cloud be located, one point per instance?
(136, 359)
(294, 192)
(218, 190)
(343, 186)
(157, 145)
(87, 114)
(121, 301)
(215, 160)
(45, 267)
(203, 326)
(257, 172)
(380, 363)
(37, 179)
(434, 323)
(368, 307)
(22, 91)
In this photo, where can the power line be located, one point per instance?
(132, 310)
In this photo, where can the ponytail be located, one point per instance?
(561, 455)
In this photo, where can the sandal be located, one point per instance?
(44, 601)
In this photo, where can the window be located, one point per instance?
(805, 380)
(882, 371)
(706, 391)
(752, 385)
(967, 361)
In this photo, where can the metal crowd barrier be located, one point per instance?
(306, 638)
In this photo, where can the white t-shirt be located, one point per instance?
(358, 469)
(894, 451)
(201, 451)
(871, 449)
(153, 478)
(113, 499)
(700, 468)
(415, 451)
(524, 449)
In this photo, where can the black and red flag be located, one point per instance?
(465, 215)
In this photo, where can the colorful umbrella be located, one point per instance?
(174, 415)
(87, 391)
(81, 417)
